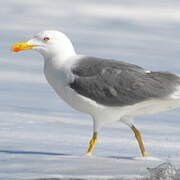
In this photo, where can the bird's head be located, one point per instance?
(48, 43)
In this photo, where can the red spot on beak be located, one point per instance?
(16, 49)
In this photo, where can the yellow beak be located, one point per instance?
(22, 46)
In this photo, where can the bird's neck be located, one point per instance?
(61, 55)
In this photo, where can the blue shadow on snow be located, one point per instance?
(33, 153)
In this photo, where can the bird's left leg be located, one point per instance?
(92, 143)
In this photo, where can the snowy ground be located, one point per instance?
(43, 137)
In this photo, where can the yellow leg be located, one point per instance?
(140, 141)
(92, 143)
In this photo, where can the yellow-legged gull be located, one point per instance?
(106, 89)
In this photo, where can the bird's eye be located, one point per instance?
(46, 39)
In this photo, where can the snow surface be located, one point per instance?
(42, 137)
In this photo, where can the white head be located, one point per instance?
(49, 44)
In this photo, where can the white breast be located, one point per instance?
(59, 77)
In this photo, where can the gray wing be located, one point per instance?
(115, 83)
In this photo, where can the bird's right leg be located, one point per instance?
(139, 139)
(92, 143)
(128, 121)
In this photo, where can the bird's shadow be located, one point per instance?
(18, 152)
(121, 157)
(33, 153)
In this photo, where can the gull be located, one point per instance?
(108, 90)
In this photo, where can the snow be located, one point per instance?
(42, 137)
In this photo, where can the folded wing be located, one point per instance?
(115, 83)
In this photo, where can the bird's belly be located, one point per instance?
(75, 100)
(153, 106)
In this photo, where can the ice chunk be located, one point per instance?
(177, 175)
(164, 171)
